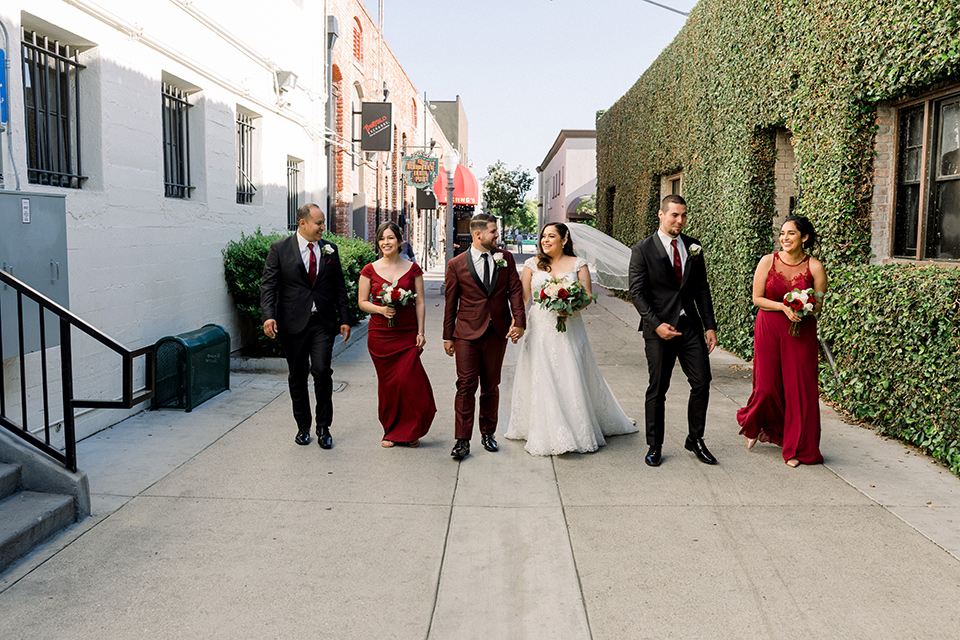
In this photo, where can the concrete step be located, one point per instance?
(9, 479)
(29, 518)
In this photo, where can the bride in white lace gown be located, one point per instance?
(561, 403)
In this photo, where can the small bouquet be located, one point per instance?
(802, 301)
(393, 296)
(563, 294)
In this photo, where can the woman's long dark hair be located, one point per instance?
(805, 227)
(543, 260)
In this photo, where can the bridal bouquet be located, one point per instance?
(393, 296)
(802, 301)
(563, 294)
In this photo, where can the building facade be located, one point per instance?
(170, 129)
(567, 176)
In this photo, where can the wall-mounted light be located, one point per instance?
(286, 80)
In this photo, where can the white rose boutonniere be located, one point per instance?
(328, 249)
(695, 250)
(500, 261)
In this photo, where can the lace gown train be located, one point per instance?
(561, 402)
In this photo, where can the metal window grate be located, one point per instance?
(245, 188)
(293, 193)
(176, 143)
(51, 98)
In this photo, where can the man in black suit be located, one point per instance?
(668, 285)
(303, 302)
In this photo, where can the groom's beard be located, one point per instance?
(489, 246)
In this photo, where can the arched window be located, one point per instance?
(357, 40)
(413, 110)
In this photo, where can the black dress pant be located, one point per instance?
(691, 350)
(310, 352)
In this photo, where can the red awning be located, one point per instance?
(465, 187)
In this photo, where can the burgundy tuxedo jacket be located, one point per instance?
(469, 308)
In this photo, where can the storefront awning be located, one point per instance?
(465, 188)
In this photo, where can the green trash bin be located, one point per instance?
(191, 368)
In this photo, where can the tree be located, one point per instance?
(505, 191)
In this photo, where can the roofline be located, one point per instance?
(564, 135)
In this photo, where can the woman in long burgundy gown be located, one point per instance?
(406, 404)
(784, 407)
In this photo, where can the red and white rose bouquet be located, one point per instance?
(563, 294)
(802, 302)
(393, 296)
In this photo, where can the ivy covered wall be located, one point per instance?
(710, 106)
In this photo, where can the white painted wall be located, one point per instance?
(143, 266)
(576, 162)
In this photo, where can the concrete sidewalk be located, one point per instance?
(214, 524)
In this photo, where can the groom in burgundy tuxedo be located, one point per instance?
(668, 285)
(303, 301)
(483, 309)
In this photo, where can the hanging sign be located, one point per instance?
(420, 170)
(376, 126)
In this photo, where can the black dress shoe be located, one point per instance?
(302, 438)
(489, 443)
(653, 456)
(461, 449)
(324, 439)
(700, 449)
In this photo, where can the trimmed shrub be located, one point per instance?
(243, 262)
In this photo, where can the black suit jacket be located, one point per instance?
(659, 297)
(287, 296)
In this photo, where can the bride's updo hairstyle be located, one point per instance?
(543, 260)
(805, 227)
(383, 228)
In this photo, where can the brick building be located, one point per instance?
(368, 187)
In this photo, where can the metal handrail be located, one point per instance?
(68, 320)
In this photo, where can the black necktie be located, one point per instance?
(486, 271)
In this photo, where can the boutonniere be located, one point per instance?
(695, 250)
(328, 249)
(500, 261)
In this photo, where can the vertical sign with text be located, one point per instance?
(376, 126)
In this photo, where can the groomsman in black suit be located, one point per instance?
(668, 285)
(303, 302)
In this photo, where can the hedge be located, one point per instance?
(710, 106)
(243, 261)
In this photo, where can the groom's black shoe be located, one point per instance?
(461, 449)
(324, 439)
(489, 443)
(700, 449)
(302, 437)
(653, 456)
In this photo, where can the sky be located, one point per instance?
(525, 69)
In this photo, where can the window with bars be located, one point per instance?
(357, 40)
(176, 142)
(927, 210)
(245, 186)
(51, 97)
(294, 187)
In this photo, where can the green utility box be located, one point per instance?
(191, 367)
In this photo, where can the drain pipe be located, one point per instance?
(4, 124)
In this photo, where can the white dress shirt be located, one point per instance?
(305, 256)
(478, 261)
(681, 249)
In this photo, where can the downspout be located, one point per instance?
(4, 124)
(332, 32)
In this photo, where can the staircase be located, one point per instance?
(28, 518)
